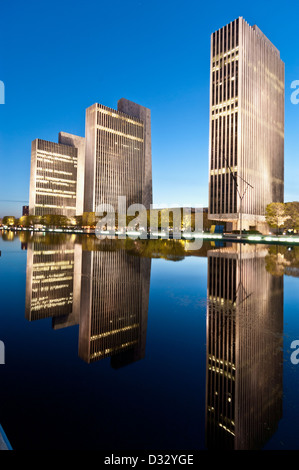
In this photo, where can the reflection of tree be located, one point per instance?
(8, 236)
(167, 249)
(283, 260)
(156, 248)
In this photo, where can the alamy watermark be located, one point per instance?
(145, 224)
(295, 354)
(2, 93)
(2, 353)
(295, 94)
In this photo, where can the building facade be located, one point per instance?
(118, 155)
(56, 185)
(246, 151)
(25, 210)
(79, 143)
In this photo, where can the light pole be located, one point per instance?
(239, 194)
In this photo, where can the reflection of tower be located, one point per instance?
(49, 283)
(244, 354)
(114, 305)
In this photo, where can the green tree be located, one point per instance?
(292, 213)
(9, 220)
(54, 220)
(79, 220)
(276, 215)
(27, 220)
(89, 219)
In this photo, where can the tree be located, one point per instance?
(27, 220)
(89, 219)
(292, 212)
(78, 219)
(276, 215)
(9, 220)
(55, 220)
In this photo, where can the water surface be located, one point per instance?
(113, 345)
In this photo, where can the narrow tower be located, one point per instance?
(246, 169)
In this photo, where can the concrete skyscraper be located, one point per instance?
(57, 176)
(113, 160)
(118, 155)
(246, 168)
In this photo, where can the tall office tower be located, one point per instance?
(246, 125)
(57, 176)
(118, 155)
(244, 349)
(79, 143)
(25, 210)
(114, 305)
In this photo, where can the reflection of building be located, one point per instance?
(118, 155)
(244, 354)
(246, 124)
(56, 177)
(50, 282)
(114, 306)
(105, 292)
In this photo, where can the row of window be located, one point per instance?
(226, 38)
(222, 278)
(223, 194)
(53, 147)
(224, 90)
(119, 125)
(224, 141)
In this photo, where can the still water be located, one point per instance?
(114, 345)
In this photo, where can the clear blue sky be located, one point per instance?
(59, 57)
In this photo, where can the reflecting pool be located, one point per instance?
(123, 344)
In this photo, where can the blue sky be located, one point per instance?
(59, 57)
